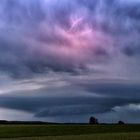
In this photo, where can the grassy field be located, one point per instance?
(68, 132)
(114, 136)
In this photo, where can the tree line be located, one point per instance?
(94, 120)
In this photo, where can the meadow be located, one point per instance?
(69, 132)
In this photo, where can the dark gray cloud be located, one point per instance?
(117, 89)
(64, 106)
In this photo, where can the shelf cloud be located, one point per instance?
(70, 58)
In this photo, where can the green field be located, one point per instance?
(69, 132)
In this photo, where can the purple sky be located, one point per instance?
(65, 60)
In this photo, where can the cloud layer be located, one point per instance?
(70, 58)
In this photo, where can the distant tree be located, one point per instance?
(121, 122)
(93, 120)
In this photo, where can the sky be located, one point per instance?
(67, 60)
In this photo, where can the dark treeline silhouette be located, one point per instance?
(121, 122)
(93, 120)
(24, 122)
(3, 121)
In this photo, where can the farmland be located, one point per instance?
(68, 132)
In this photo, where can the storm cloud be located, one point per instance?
(75, 58)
